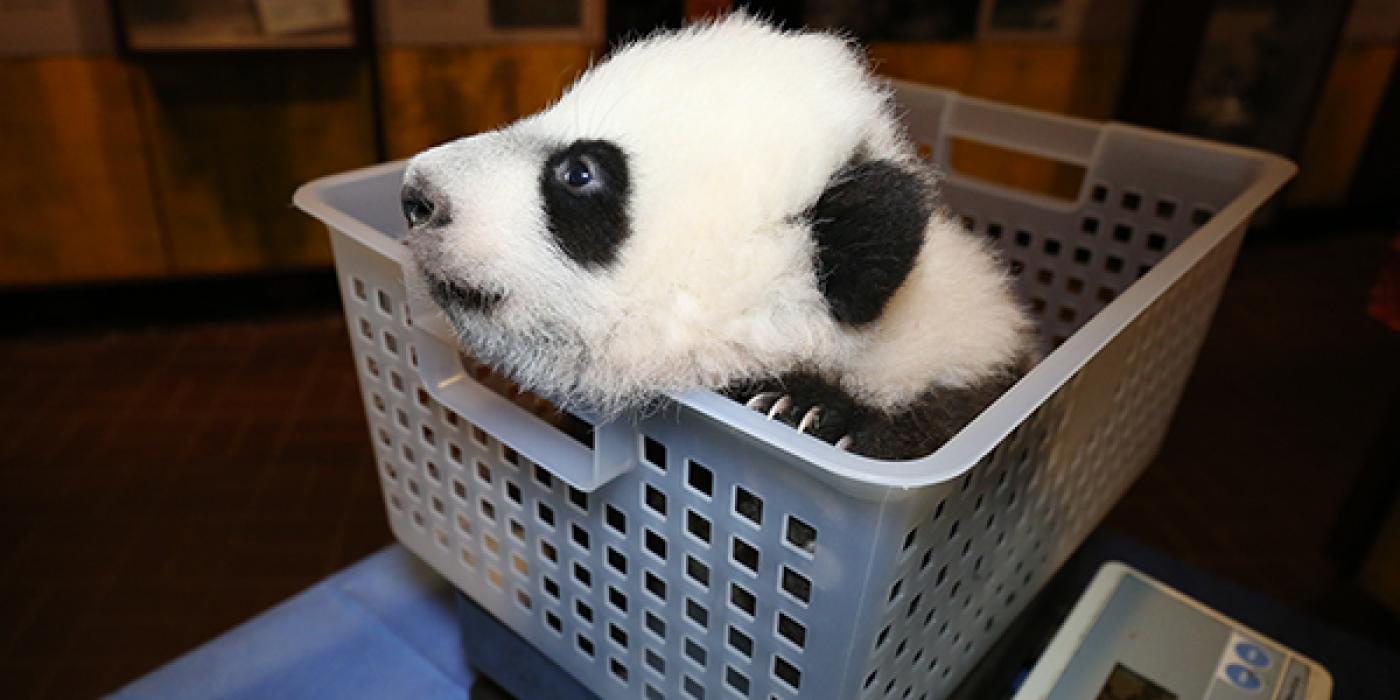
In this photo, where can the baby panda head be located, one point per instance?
(724, 203)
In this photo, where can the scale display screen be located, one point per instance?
(1126, 684)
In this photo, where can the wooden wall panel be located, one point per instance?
(432, 95)
(231, 139)
(75, 190)
(1341, 123)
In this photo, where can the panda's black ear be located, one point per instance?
(869, 227)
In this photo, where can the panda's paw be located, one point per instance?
(811, 412)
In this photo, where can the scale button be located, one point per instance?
(1252, 654)
(1242, 677)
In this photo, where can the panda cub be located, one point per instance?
(727, 207)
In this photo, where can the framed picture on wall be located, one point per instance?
(1056, 20)
(478, 22)
(166, 26)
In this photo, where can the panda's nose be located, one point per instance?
(418, 204)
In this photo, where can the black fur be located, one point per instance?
(450, 295)
(914, 431)
(588, 225)
(869, 226)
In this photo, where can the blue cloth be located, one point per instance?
(384, 628)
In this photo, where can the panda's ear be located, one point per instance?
(869, 226)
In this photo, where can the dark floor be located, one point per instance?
(160, 483)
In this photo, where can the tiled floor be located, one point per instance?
(159, 484)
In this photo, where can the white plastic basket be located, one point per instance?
(706, 552)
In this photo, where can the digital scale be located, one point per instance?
(1133, 638)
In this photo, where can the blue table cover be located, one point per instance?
(385, 627)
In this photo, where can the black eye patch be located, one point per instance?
(585, 189)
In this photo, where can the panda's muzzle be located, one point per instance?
(456, 296)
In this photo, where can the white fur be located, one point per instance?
(731, 129)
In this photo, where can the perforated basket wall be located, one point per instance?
(724, 556)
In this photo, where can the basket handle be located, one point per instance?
(939, 116)
(615, 443)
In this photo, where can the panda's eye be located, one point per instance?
(577, 173)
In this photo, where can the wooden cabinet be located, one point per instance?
(76, 200)
(231, 137)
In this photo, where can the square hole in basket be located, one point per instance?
(522, 598)
(517, 530)
(386, 303)
(655, 661)
(483, 473)
(1089, 225)
(1200, 216)
(366, 329)
(454, 452)
(579, 536)
(617, 599)
(994, 231)
(740, 642)
(1113, 263)
(468, 558)
(697, 571)
(617, 635)
(693, 689)
(655, 586)
(585, 645)
(700, 478)
(548, 551)
(1156, 242)
(488, 510)
(695, 652)
(1132, 200)
(1052, 247)
(743, 599)
(796, 585)
(801, 535)
(748, 506)
(391, 343)
(579, 499)
(1099, 193)
(698, 526)
(543, 478)
(396, 382)
(617, 561)
(513, 493)
(553, 621)
(492, 545)
(654, 500)
(792, 630)
(654, 452)
(697, 613)
(744, 554)
(655, 543)
(734, 678)
(615, 519)
(550, 586)
(510, 456)
(464, 524)
(789, 674)
(544, 514)
(618, 669)
(583, 611)
(583, 575)
(655, 625)
(1023, 238)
